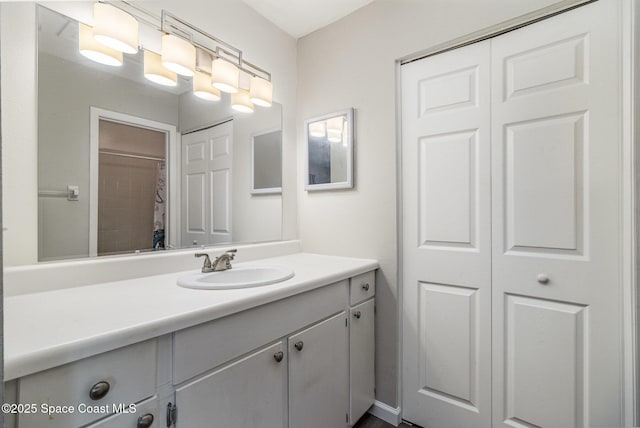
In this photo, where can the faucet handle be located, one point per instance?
(231, 253)
(206, 267)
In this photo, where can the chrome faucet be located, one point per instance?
(220, 263)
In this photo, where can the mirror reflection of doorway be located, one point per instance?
(132, 188)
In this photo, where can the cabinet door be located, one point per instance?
(361, 360)
(248, 393)
(318, 375)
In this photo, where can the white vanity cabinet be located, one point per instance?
(301, 361)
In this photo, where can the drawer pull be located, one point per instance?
(99, 390)
(299, 345)
(145, 421)
(357, 314)
(365, 287)
(278, 356)
(543, 278)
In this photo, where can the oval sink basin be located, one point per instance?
(242, 277)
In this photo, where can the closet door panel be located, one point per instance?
(556, 222)
(446, 239)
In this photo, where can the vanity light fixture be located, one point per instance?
(202, 87)
(261, 92)
(115, 28)
(225, 75)
(178, 55)
(156, 72)
(240, 101)
(90, 48)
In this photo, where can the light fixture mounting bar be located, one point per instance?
(169, 23)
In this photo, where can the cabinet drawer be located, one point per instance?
(362, 287)
(149, 414)
(128, 375)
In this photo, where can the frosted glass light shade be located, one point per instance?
(90, 48)
(225, 76)
(335, 124)
(334, 136)
(115, 28)
(261, 92)
(202, 87)
(178, 55)
(240, 102)
(317, 129)
(154, 70)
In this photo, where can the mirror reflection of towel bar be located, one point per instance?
(72, 193)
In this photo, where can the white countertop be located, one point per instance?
(48, 329)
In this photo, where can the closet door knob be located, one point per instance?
(278, 356)
(299, 345)
(145, 421)
(357, 314)
(365, 287)
(543, 278)
(99, 390)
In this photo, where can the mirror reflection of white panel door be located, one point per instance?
(446, 239)
(557, 349)
(206, 185)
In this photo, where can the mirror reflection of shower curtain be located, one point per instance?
(160, 207)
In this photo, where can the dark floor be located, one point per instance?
(368, 421)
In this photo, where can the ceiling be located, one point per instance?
(301, 17)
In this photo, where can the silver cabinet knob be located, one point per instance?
(357, 314)
(299, 345)
(278, 356)
(365, 287)
(145, 421)
(99, 390)
(543, 278)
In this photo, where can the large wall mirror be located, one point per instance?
(127, 165)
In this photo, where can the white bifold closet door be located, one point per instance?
(447, 239)
(557, 349)
(511, 228)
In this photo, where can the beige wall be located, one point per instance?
(351, 63)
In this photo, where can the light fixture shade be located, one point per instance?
(318, 129)
(115, 28)
(178, 55)
(202, 87)
(334, 136)
(261, 92)
(335, 124)
(240, 101)
(90, 48)
(225, 76)
(154, 70)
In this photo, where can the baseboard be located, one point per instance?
(386, 413)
